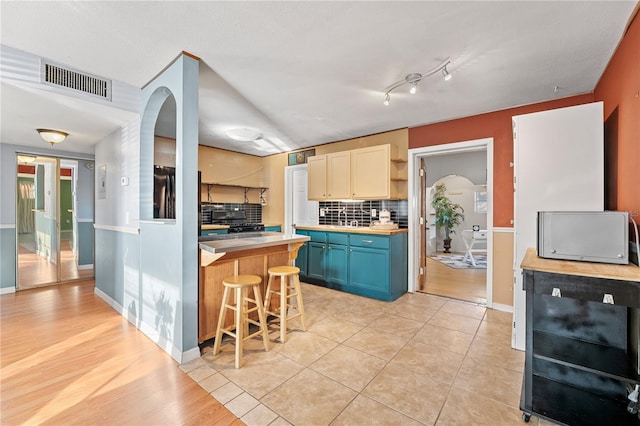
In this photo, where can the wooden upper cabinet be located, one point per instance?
(373, 173)
(378, 173)
(317, 177)
(339, 175)
(329, 176)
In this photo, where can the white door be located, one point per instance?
(559, 166)
(298, 209)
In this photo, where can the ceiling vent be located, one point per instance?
(77, 81)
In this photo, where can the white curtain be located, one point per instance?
(26, 204)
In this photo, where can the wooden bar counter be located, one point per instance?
(238, 254)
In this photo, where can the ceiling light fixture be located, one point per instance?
(414, 78)
(52, 136)
(244, 135)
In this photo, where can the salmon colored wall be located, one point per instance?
(496, 125)
(619, 89)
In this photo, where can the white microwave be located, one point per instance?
(586, 236)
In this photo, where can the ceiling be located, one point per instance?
(308, 73)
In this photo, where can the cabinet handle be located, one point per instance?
(367, 241)
(608, 298)
(556, 292)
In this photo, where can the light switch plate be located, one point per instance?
(374, 213)
(124, 181)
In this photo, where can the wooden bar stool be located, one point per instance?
(241, 285)
(288, 289)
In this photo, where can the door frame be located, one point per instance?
(415, 155)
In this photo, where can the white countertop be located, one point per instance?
(248, 241)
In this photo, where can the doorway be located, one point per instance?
(54, 240)
(466, 272)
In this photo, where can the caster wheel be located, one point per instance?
(526, 417)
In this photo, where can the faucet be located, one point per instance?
(342, 210)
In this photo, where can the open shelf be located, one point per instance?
(598, 359)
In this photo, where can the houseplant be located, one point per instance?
(448, 213)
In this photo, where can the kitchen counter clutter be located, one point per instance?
(361, 261)
(353, 229)
(222, 256)
(582, 341)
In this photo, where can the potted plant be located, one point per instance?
(448, 213)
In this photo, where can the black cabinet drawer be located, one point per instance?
(623, 293)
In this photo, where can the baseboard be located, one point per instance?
(7, 290)
(164, 343)
(503, 308)
(84, 267)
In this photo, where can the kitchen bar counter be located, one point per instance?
(353, 229)
(251, 253)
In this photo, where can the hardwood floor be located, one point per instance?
(69, 358)
(463, 284)
(34, 270)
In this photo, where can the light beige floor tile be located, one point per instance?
(411, 311)
(279, 422)
(259, 416)
(309, 398)
(494, 315)
(226, 392)
(367, 412)
(262, 372)
(455, 322)
(335, 329)
(413, 394)
(429, 360)
(305, 348)
(499, 355)
(496, 332)
(464, 309)
(201, 373)
(470, 408)
(427, 301)
(444, 338)
(242, 404)
(500, 384)
(192, 365)
(381, 345)
(396, 325)
(213, 382)
(348, 366)
(360, 316)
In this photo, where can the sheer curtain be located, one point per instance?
(26, 204)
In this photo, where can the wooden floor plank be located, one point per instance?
(69, 358)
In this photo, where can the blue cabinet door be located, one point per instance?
(302, 258)
(316, 260)
(369, 272)
(336, 272)
(273, 229)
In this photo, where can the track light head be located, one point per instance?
(387, 98)
(446, 74)
(414, 88)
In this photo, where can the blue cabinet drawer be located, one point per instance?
(318, 236)
(371, 241)
(338, 238)
(214, 231)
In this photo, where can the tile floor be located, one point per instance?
(421, 360)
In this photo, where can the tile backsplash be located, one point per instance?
(339, 211)
(252, 210)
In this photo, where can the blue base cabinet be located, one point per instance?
(365, 264)
(273, 228)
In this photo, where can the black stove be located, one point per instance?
(245, 227)
(236, 220)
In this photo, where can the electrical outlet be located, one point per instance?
(374, 213)
(322, 213)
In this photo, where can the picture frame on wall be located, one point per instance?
(301, 157)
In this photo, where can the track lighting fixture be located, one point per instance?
(414, 78)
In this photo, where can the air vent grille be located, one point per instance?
(74, 80)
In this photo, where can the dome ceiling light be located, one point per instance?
(243, 135)
(52, 136)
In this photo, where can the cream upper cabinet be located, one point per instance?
(329, 176)
(339, 175)
(378, 173)
(317, 177)
(373, 173)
